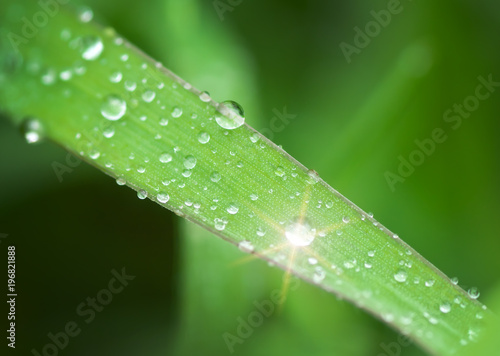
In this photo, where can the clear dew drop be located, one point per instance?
(121, 181)
(219, 224)
(300, 233)
(254, 197)
(312, 261)
(91, 47)
(113, 107)
(319, 274)
(346, 219)
(246, 246)
(429, 283)
(148, 96)
(230, 115)
(473, 293)
(142, 194)
(94, 154)
(203, 137)
(32, 130)
(176, 112)
(400, 276)
(165, 158)
(162, 197)
(190, 162)
(233, 209)
(445, 308)
(454, 280)
(108, 132)
(261, 232)
(116, 77)
(163, 121)
(280, 171)
(204, 96)
(85, 14)
(215, 177)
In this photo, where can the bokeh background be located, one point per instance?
(353, 120)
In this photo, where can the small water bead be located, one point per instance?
(230, 115)
(329, 204)
(280, 171)
(346, 219)
(190, 162)
(121, 181)
(429, 283)
(368, 265)
(91, 47)
(204, 96)
(319, 274)
(261, 232)
(85, 14)
(233, 208)
(116, 77)
(165, 158)
(300, 234)
(473, 293)
(400, 276)
(371, 253)
(215, 177)
(130, 86)
(108, 132)
(246, 246)
(454, 280)
(49, 77)
(148, 96)
(203, 137)
(312, 261)
(350, 264)
(94, 154)
(163, 121)
(66, 75)
(142, 194)
(219, 224)
(32, 130)
(113, 108)
(162, 197)
(176, 112)
(187, 173)
(254, 197)
(445, 308)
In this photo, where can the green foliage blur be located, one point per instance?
(367, 84)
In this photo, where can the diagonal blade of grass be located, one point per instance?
(87, 89)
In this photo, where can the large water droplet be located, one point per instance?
(219, 224)
(445, 307)
(32, 130)
(203, 137)
(113, 108)
(190, 162)
(401, 276)
(473, 293)
(165, 158)
(91, 47)
(142, 194)
(148, 96)
(163, 197)
(300, 234)
(215, 177)
(230, 115)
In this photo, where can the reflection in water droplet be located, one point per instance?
(300, 233)
(401, 276)
(113, 108)
(190, 162)
(230, 115)
(203, 137)
(162, 197)
(142, 194)
(91, 47)
(32, 130)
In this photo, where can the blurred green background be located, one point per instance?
(353, 120)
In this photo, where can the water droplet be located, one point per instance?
(280, 171)
(329, 204)
(233, 208)
(176, 112)
(473, 293)
(94, 154)
(350, 264)
(204, 96)
(66, 75)
(165, 158)
(49, 76)
(230, 115)
(85, 14)
(108, 132)
(215, 177)
(130, 86)
(312, 261)
(454, 280)
(429, 283)
(368, 265)
(187, 173)
(142, 194)
(203, 137)
(163, 197)
(346, 219)
(116, 77)
(371, 253)
(319, 274)
(32, 130)
(113, 108)
(121, 181)
(254, 197)
(300, 233)
(163, 121)
(400, 276)
(91, 47)
(189, 162)
(148, 96)
(246, 246)
(219, 224)
(445, 307)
